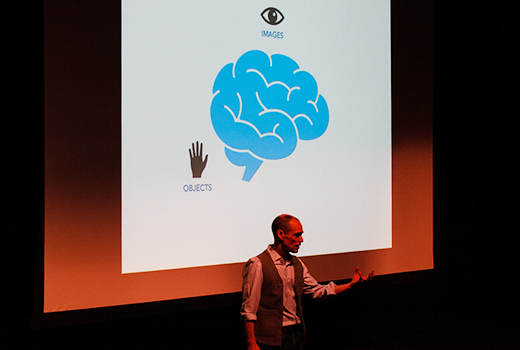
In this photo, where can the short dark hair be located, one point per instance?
(281, 222)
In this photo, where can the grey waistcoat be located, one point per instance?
(268, 327)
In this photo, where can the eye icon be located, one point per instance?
(272, 16)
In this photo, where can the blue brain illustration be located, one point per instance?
(262, 106)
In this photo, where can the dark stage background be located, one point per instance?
(469, 301)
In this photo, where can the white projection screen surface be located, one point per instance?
(309, 119)
(177, 131)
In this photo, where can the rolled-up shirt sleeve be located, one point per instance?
(251, 289)
(313, 288)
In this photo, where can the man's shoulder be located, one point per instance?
(258, 257)
(253, 267)
(254, 260)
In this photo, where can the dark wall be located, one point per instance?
(22, 162)
(475, 147)
(475, 202)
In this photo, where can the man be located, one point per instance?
(273, 285)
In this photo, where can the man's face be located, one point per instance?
(292, 238)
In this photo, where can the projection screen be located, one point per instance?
(175, 132)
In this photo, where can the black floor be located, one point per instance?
(423, 316)
(414, 315)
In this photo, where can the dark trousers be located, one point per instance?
(292, 339)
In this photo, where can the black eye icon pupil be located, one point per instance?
(272, 16)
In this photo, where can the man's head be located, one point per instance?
(287, 232)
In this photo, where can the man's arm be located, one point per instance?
(249, 329)
(312, 287)
(251, 292)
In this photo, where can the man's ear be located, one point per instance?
(279, 233)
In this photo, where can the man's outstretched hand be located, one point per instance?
(197, 165)
(359, 278)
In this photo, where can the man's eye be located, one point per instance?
(272, 16)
